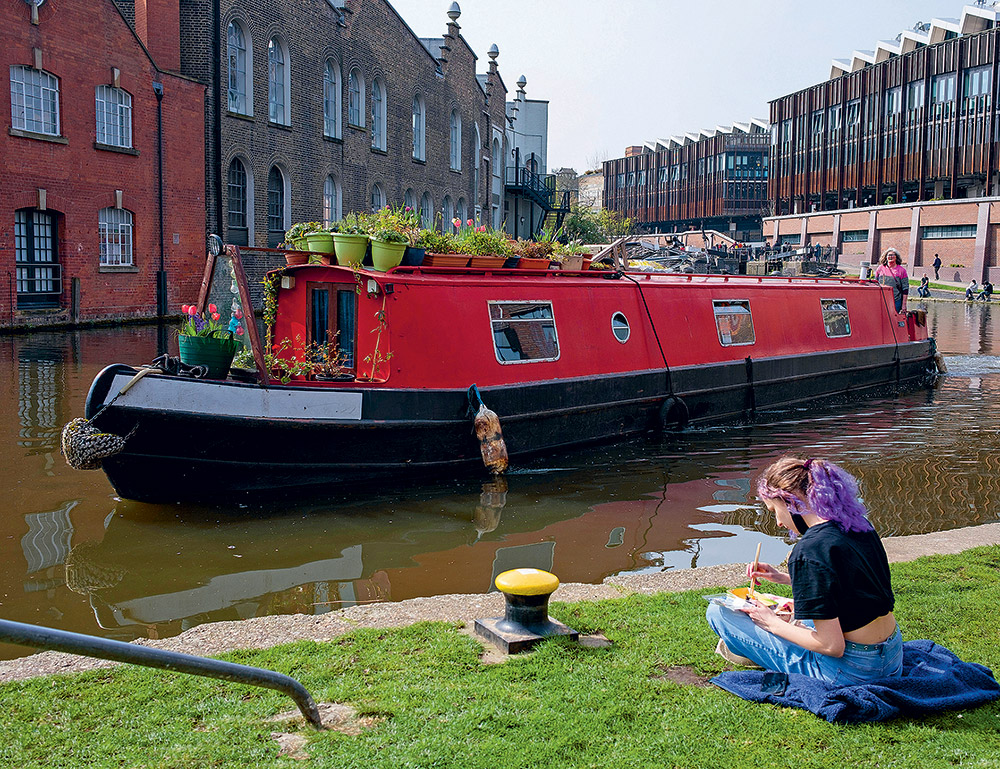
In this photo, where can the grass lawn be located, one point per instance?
(433, 703)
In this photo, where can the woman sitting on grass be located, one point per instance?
(844, 631)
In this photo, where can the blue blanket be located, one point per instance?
(933, 679)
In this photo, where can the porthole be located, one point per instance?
(619, 327)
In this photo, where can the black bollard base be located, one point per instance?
(513, 637)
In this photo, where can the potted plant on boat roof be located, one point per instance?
(571, 256)
(534, 254)
(204, 341)
(390, 230)
(441, 249)
(486, 247)
(350, 240)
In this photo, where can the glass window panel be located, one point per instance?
(835, 317)
(524, 331)
(734, 322)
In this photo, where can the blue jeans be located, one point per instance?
(861, 662)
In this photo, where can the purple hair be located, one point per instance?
(828, 490)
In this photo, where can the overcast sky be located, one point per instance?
(622, 72)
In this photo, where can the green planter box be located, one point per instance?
(320, 242)
(211, 351)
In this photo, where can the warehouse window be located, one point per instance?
(114, 227)
(34, 101)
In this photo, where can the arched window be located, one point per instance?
(356, 99)
(114, 116)
(378, 114)
(410, 199)
(460, 211)
(497, 164)
(34, 100)
(447, 214)
(278, 85)
(476, 162)
(332, 197)
(240, 56)
(331, 99)
(426, 211)
(456, 141)
(419, 128)
(114, 231)
(277, 207)
(239, 194)
(378, 198)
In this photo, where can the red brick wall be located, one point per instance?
(80, 44)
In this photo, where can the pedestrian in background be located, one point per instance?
(937, 267)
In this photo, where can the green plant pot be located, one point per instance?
(385, 256)
(350, 249)
(321, 242)
(211, 351)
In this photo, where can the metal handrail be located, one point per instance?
(119, 651)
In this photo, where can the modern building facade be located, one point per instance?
(101, 166)
(315, 109)
(913, 120)
(712, 179)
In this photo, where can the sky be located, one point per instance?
(622, 72)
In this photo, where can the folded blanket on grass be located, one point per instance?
(933, 679)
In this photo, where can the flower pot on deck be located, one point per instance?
(385, 255)
(446, 260)
(413, 256)
(487, 262)
(215, 353)
(350, 249)
(320, 242)
(293, 258)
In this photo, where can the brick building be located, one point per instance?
(710, 179)
(315, 108)
(101, 190)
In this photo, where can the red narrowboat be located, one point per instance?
(564, 358)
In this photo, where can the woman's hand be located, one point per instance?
(768, 572)
(763, 616)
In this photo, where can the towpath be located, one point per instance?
(263, 632)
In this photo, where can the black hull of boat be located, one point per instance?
(184, 453)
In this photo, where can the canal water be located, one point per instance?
(75, 557)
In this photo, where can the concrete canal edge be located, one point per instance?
(263, 632)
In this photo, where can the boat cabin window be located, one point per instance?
(734, 322)
(524, 331)
(333, 322)
(620, 328)
(835, 317)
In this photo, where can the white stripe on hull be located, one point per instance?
(219, 399)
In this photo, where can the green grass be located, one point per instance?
(435, 704)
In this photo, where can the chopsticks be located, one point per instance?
(753, 579)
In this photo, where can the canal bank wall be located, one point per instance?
(264, 632)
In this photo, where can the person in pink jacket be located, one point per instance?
(891, 272)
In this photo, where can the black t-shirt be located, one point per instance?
(840, 574)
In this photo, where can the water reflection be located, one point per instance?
(78, 559)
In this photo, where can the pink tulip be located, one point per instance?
(469, 222)
(192, 310)
(215, 316)
(184, 309)
(238, 315)
(212, 308)
(239, 331)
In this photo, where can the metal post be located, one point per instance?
(104, 648)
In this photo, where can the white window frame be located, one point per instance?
(356, 98)
(242, 104)
(552, 318)
(723, 308)
(419, 128)
(114, 231)
(379, 109)
(113, 108)
(279, 85)
(34, 100)
(830, 309)
(332, 95)
(456, 140)
(333, 198)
